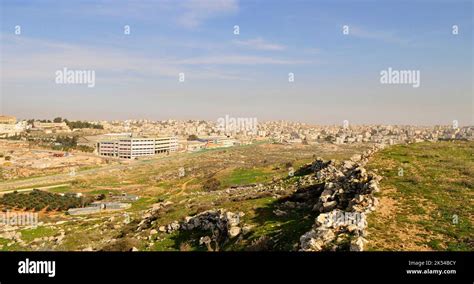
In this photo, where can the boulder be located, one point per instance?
(279, 212)
(348, 165)
(323, 220)
(329, 205)
(233, 219)
(358, 244)
(356, 158)
(234, 231)
(205, 240)
(326, 194)
(246, 229)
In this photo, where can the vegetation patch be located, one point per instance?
(38, 200)
(432, 187)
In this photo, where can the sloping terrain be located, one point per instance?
(426, 197)
(274, 197)
(160, 181)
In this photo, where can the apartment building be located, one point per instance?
(134, 147)
(50, 127)
(10, 127)
(7, 119)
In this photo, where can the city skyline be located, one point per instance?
(336, 75)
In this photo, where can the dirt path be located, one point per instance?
(183, 187)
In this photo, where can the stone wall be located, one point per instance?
(347, 197)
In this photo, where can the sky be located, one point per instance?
(336, 75)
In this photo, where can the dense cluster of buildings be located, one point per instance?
(288, 132)
(135, 138)
(50, 127)
(10, 127)
(295, 132)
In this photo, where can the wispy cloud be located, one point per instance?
(185, 13)
(26, 59)
(36, 60)
(259, 44)
(197, 11)
(237, 60)
(387, 37)
(312, 50)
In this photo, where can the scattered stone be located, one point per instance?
(358, 244)
(247, 228)
(356, 158)
(328, 206)
(279, 212)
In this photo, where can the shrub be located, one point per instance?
(211, 184)
(192, 137)
(125, 244)
(185, 246)
(264, 243)
(39, 200)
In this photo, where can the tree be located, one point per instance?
(192, 137)
(58, 119)
(82, 124)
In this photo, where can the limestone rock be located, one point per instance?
(358, 244)
(234, 231)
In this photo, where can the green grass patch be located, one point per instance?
(29, 235)
(434, 193)
(60, 189)
(243, 176)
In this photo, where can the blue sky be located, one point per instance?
(336, 75)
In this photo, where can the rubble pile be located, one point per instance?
(149, 217)
(225, 221)
(221, 224)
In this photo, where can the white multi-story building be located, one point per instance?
(131, 148)
(10, 127)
